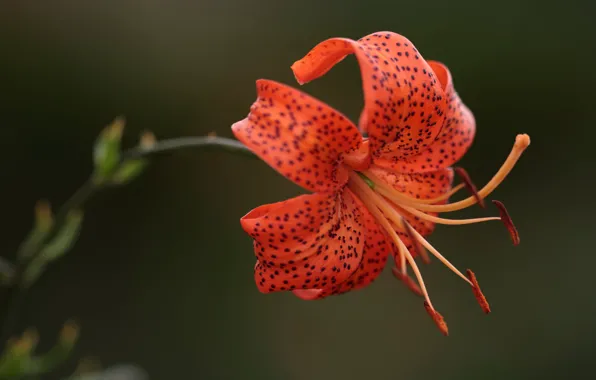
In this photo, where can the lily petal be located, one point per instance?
(405, 103)
(453, 141)
(299, 136)
(311, 241)
(376, 251)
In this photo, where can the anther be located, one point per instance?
(418, 248)
(465, 177)
(437, 318)
(477, 292)
(506, 219)
(408, 281)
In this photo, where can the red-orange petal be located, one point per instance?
(311, 241)
(299, 136)
(453, 141)
(405, 103)
(418, 186)
(376, 251)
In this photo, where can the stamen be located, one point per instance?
(375, 205)
(441, 198)
(381, 209)
(506, 219)
(442, 258)
(407, 280)
(402, 256)
(463, 174)
(436, 219)
(418, 248)
(478, 293)
(437, 318)
(521, 143)
(438, 199)
(370, 183)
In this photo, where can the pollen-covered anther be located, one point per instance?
(437, 318)
(470, 186)
(506, 219)
(408, 281)
(477, 292)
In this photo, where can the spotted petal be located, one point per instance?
(299, 136)
(311, 241)
(405, 103)
(376, 250)
(451, 144)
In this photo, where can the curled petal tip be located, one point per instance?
(437, 318)
(477, 292)
(298, 78)
(238, 125)
(359, 158)
(506, 219)
(407, 280)
(522, 140)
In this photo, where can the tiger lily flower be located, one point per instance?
(375, 196)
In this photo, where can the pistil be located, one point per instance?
(521, 143)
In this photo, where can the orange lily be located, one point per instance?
(375, 196)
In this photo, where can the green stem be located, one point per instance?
(168, 146)
(14, 297)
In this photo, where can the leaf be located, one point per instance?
(128, 171)
(106, 152)
(44, 221)
(56, 248)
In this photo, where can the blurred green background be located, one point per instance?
(162, 274)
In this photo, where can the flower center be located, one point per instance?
(388, 206)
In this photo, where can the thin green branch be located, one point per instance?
(176, 144)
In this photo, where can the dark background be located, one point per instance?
(162, 274)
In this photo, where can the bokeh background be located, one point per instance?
(162, 274)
